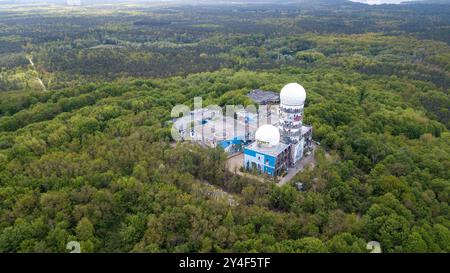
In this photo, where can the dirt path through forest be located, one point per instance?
(41, 83)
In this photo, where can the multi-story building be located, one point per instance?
(277, 149)
(267, 154)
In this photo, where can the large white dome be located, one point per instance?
(293, 94)
(268, 134)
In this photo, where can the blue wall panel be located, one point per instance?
(249, 152)
(269, 161)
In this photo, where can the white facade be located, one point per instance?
(277, 149)
(297, 150)
(292, 100)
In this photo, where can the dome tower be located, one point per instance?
(292, 100)
(267, 135)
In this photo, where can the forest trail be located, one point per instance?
(41, 83)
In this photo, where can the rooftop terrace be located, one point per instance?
(264, 97)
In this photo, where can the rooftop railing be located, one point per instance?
(290, 110)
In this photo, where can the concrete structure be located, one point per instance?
(294, 139)
(267, 154)
(307, 139)
(274, 145)
(264, 97)
(292, 100)
(209, 127)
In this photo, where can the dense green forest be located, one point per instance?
(87, 154)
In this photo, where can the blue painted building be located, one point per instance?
(277, 149)
(267, 155)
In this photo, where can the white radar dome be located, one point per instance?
(293, 94)
(268, 134)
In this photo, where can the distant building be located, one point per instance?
(277, 149)
(262, 97)
(74, 2)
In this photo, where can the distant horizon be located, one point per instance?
(381, 2)
(368, 2)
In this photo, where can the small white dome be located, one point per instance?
(268, 134)
(293, 94)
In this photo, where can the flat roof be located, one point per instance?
(212, 128)
(264, 97)
(273, 151)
